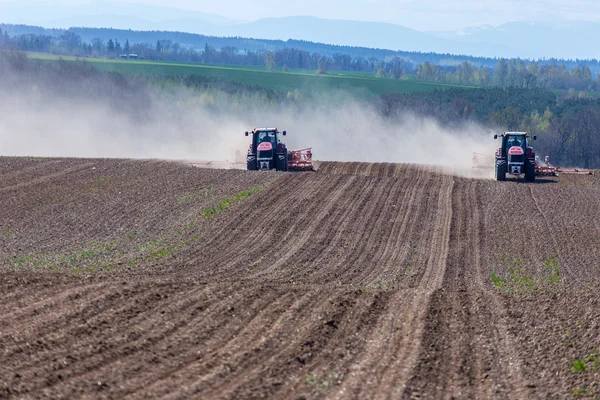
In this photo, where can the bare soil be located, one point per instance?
(152, 279)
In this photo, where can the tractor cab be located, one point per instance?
(265, 136)
(515, 139)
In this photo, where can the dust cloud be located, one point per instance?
(182, 126)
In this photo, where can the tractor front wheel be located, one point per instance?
(281, 164)
(530, 171)
(251, 163)
(501, 168)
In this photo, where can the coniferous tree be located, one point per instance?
(111, 46)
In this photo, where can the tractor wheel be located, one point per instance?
(530, 172)
(501, 170)
(281, 163)
(251, 163)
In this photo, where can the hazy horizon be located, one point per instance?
(422, 15)
(532, 29)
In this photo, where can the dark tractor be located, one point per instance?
(266, 151)
(515, 156)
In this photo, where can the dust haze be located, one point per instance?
(184, 126)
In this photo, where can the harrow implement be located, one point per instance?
(546, 169)
(300, 160)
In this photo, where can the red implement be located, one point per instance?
(574, 171)
(300, 160)
(545, 169)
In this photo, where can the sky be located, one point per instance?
(422, 15)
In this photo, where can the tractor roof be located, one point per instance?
(265, 130)
(516, 133)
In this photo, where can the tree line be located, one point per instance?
(513, 73)
(198, 41)
(505, 73)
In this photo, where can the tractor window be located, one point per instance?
(266, 137)
(515, 141)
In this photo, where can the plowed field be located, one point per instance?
(147, 279)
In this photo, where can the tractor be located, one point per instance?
(515, 156)
(267, 152)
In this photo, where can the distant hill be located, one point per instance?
(569, 40)
(198, 42)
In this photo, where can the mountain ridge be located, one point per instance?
(524, 39)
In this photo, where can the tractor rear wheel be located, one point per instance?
(501, 168)
(530, 171)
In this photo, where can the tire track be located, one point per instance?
(48, 177)
(353, 265)
(387, 363)
(462, 354)
(548, 229)
(241, 229)
(299, 233)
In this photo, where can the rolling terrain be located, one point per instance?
(307, 81)
(151, 279)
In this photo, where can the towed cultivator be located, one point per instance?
(546, 169)
(300, 160)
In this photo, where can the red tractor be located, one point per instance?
(515, 156)
(267, 152)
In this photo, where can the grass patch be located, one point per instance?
(553, 269)
(578, 365)
(511, 277)
(203, 193)
(522, 281)
(498, 281)
(248, 193)
(7, 232)
(226, 203)
(151, 245)
(100, 183)
(90, 251)
(586, 367)
(324, 381)
(409, 271)
(582, 392)
(90, 258)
